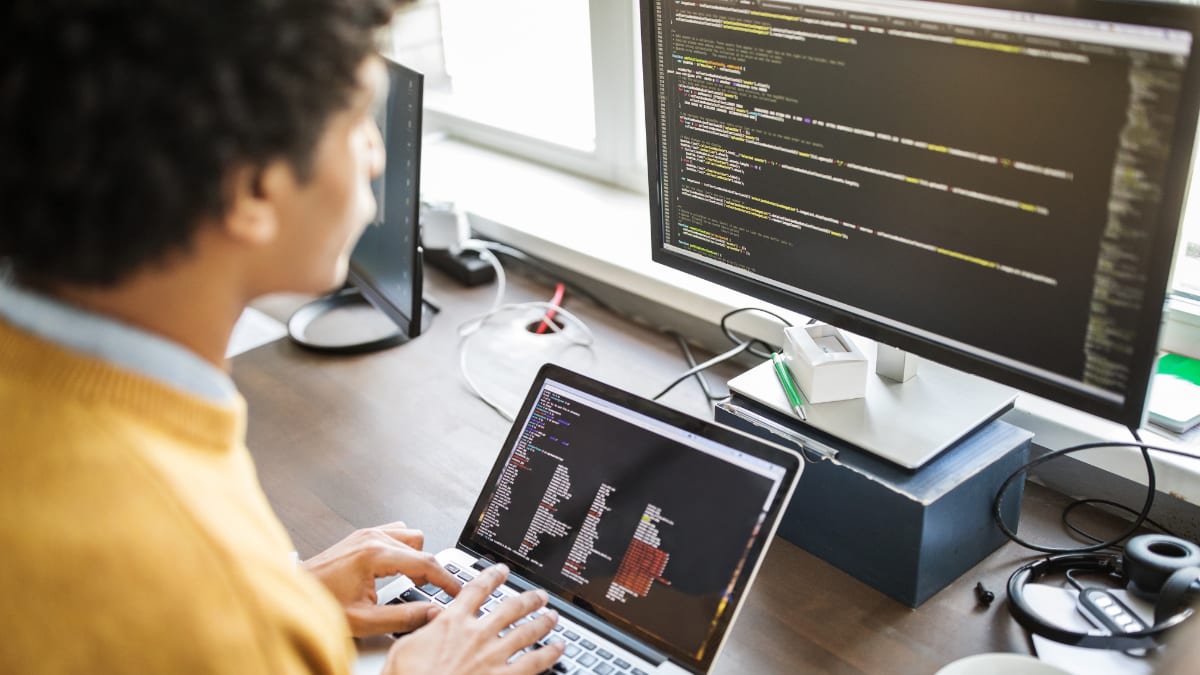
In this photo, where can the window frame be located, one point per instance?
(617, 158)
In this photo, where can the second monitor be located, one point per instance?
(386, 265)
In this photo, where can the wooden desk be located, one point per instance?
(348, 442)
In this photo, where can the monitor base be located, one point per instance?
(345, 322)
(906, 423)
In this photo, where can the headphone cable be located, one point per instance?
(1142, 515)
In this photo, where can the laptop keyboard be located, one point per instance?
(585, 652)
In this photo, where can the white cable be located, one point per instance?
(482, 248)
(472, 326)
(502, 248)
(466, 328)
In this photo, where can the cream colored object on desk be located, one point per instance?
(1000, 663)
(827, 365)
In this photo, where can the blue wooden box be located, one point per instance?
(907, 533)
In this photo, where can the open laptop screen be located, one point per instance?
(653, 520)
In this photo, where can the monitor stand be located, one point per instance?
(345, 322)
(907, 423)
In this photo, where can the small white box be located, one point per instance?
(826, 364)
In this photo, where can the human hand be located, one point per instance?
(455, 642)
(349, 569)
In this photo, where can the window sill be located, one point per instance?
(603, 232)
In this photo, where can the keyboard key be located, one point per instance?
(557, 628)
(588, 645)
(639, 671)
(621, 663)
(586, 659)
(560, 667)
(603, 669)
(571, 650)
(496, 593)
(413, 595)
(604, 654)
(444, 598)
(430, 589)
(465, 576)
(571, 635)
(452, 568)
(481, 565)
(409, 595)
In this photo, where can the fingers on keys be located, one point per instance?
(421, 567)
(528, 632)
(518, 620)
(516, 608)
(522, 623)
(475, 592)
(536, 660)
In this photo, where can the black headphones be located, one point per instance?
(1155, 567)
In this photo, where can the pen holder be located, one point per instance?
(826, 364)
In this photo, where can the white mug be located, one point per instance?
(1000, 663)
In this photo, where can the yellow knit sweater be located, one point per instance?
(134, 536)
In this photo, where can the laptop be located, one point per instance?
(644, 525)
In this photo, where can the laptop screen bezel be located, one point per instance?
(790, 461)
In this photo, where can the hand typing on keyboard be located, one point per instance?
(462, 639)
(350, 567)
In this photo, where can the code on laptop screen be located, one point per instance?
(648, 525)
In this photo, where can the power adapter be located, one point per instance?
(444, 228)
(465, 267)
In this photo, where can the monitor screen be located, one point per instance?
(386, 263)
(995, 185)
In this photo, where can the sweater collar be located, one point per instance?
(76, 376)
(118, 343)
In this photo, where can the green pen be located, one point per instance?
(789, 385)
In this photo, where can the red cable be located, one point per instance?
(555, 303)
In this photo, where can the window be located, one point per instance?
(556, 81)
(545, 65)
(1187, 265)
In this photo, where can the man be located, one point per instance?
(161, 164)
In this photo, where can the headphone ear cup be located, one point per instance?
(1178, 593)
(1151, 558)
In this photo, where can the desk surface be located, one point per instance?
(343, 442)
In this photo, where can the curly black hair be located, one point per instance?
(122, 120)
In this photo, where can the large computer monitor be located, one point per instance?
(386, 264)
(995, 185)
